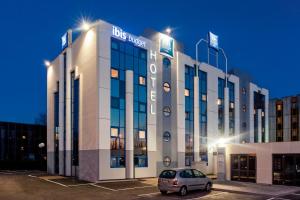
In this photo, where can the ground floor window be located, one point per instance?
(243, 167)
(286, 169)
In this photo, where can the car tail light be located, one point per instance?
(175, 182)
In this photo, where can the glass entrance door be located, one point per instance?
(286, 169)
(243, 167)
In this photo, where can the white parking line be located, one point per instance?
(206, 196)
(93, 184)
(55, 182)
(149, 194)
(80, 184)
(132, 188)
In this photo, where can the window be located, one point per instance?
(203, 113)
(114, 132)
(168, 174)
(75, 119)
(142, 80)
(186, 92)
(166, 62)
(231, 105)
(198, 174)
(167, 161)
(279, 107)
(166, 136)
(167, 111)
(219, 102)
(117, 113)
(244, 91)
(114, 73)
(244, 108)
(189, 114)
(186, 173)
(167, 87)
(142, 134)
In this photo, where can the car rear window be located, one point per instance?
(168, 174)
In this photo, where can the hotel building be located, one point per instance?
(124, 106)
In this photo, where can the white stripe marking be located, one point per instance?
(206, 196)
(136, 187)
(55, 182)
(81, 184)
(149, 194)
(103, 187)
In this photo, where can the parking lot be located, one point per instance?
(38, 185)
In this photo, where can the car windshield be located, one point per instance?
(168, 174)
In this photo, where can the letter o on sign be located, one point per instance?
(153, 68)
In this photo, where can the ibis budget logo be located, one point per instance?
(166, 45)
(64, 41)
(213, 40)
(119, 33)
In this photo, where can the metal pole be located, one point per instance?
(226, 72)
(197, 60)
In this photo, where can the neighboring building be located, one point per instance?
(284, 119)
(19, 146)
(121, 106)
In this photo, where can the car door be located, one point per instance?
(187, 178)
(200, 180)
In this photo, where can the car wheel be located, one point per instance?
(208, 187)
(163, 192)
(183, 191)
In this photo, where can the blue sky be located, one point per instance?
(261, 37)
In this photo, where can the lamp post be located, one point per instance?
(226, 72)
(197, 60)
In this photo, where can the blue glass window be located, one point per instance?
(189, 115)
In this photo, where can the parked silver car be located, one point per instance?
(182, 181)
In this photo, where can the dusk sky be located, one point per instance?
(260, 37)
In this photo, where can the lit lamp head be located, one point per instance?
(168, 30)
(85, 26)
(47, 63)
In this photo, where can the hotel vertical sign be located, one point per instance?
(153, 71)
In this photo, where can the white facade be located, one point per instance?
(89, 56)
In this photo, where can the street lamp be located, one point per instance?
(168, 30)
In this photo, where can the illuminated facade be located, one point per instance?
(122, 106)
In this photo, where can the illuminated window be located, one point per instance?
(114, 132)
(231, 105)
(114, 73)
(142, 134)
(167, 87)
(204, 97)
(186, 92)
(219, 101)
(142, 80)
(279, 107)
(262, 114)
(167, 111)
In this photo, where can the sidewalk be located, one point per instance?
(253, 188)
